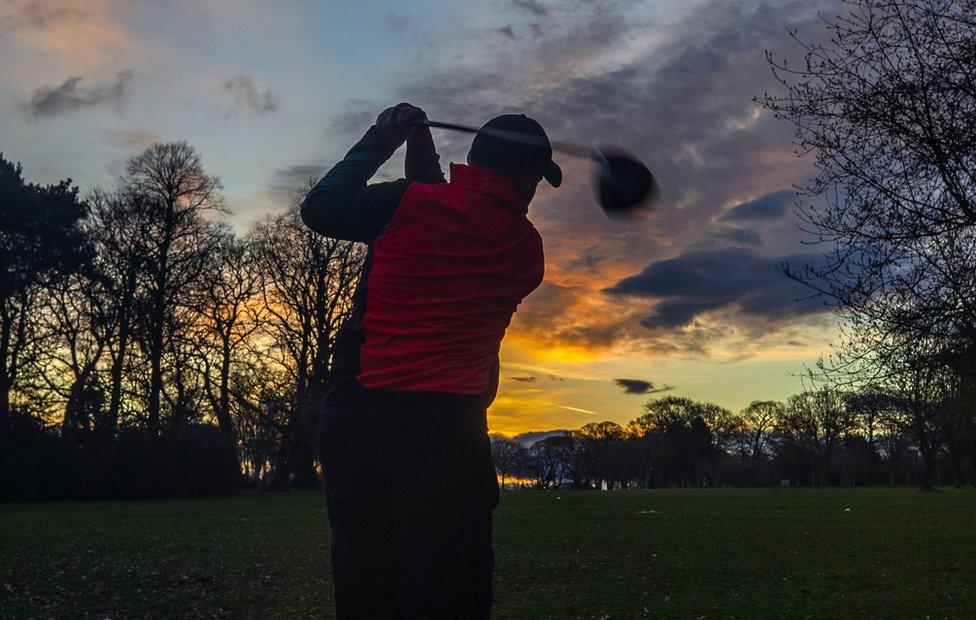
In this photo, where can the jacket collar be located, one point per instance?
(489, 182)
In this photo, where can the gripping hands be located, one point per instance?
(396, 124)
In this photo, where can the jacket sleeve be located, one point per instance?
(422, 163)
(343, 206)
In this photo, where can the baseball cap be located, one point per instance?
(516, 144)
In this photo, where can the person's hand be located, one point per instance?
(397, 123)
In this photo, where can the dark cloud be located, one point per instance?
(356, 117)
(708, 280)
(248, 96)
(298, 174)
(640, 386)
(507, 31)
(523, 378)
(740, 235)
(771, 206)
(532, 6)
(588, 261)
(291, 181)
(71, 95)
(398, 22)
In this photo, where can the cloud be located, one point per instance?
(507, 32)
(71, 95)
(292, 181)
(38, 14)
(299, 174)
(640, 386)
(532, 6)
(248, 96)
(523, 378)
(577, 409)
(79, 35)
(740, 235)
(133, 138)
(356, 117)
(699, 282)
(588, 261)
(771, 206)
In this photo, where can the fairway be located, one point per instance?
(662, 553)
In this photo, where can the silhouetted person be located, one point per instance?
(403, 437)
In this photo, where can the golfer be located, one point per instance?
(403, 437)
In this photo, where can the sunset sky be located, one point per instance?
(688, 301)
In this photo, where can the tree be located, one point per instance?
(227, 306)
(759, 419)
(306, 288)
(886, 109)
(550, 459)
(601, 456)
(78, 316)
(171, 177)
(40, 239)
(505, 453)
(817, 421)
(120, 226)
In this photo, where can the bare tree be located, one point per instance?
(228, 297)
(172, 176)
(120, 226)
(759, 419)
(886, 109)
(505, 453)
(307, 283)
(79, 318)
(551, 457)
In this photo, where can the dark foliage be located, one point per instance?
(38, 464)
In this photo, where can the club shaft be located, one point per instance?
(568, 148)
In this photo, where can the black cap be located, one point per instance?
(515, 144)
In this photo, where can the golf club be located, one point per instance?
(623, 185)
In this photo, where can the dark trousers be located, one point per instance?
(410, 508)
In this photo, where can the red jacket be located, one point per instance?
(448, 273)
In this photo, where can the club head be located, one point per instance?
(624, 185)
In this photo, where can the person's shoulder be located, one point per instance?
(428, 191)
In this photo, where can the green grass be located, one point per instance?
(674, 553)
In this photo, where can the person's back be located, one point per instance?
(403, 437)
(448, 272)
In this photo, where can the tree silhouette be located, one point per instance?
(40, 239)
(171, 177)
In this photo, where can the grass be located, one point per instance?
(666, 553)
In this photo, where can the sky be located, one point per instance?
(685, 302)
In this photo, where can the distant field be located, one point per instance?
(675, 553)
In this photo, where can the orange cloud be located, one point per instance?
(81, 35)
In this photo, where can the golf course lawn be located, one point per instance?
(674, 553)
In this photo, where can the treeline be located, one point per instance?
(146, 348)
(816, 438)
